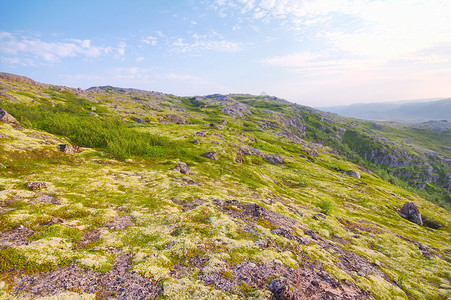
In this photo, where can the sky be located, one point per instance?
(314, 52)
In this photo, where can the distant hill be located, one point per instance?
(403, 111)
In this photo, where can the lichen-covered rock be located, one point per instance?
(7, 118)
(182, 168)
(37, 185)
(274, 159)
(210, 155)
(70, 149)
(411, 212)
(353, 173)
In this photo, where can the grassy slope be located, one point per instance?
(95, 186)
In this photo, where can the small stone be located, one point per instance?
(210, 155)
(196, 142)
(182, 168)
(93, 108)
(239, 157)
(70, 149)
(37, 185)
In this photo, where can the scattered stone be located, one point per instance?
(249, 151)
(16, 237)
(121, 222)
(7, 118)
(274, 159)
(70, 149)
(93, 108)
(118, 283)
(353, 173)
(411, 212)
(44, 199)
(200, 133)
(196, 142)
(210, 155)
(37, 185)
(92, 114)
(88, 237)
(176, 119)
(182, 168)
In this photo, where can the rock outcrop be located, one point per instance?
(7, 118)
(411, 212)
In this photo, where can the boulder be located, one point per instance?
(353, 173)
(210, 155)
(66, 148)
(177, 119)
(37, 185)
(182, 168)
(274, 159)
(411, 212)
(7, 118)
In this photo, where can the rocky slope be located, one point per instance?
(128, 194)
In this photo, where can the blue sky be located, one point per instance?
(315, 53)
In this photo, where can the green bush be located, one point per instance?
(326, 206)
(110, 134)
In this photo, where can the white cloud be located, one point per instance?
(139, 59)
(150, 40)
(29, 50)
(210, 42)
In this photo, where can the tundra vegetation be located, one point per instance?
(297, 203)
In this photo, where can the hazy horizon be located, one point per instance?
(315, 53)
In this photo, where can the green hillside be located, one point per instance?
(157, 196)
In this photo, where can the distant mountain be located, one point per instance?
(403, 111)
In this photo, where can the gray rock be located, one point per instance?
(196, 142)
(182, 168)
(200, 133)
(274, 159)
(353, 173)
(211, 155)
(411, 212)
(7, 118)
